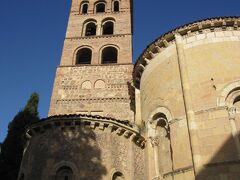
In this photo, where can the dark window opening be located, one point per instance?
(108, 28)
(161, 119)
(64, 173)
(236, 103)
(109, 55)
(85, 9)
(22, 177)
(116, 6)
(91, 29)
(100, 7)
(118, 176)
(84, 56)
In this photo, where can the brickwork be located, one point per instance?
(76, 90)
(95, 89)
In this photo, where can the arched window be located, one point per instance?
(91, 28)
(85, 8)
(84, 56)
(162, 134)
(108, 28)
(118, 176)
(64, 173)
(116, 7)
(160, 119)
(109, 55)
(100, 7)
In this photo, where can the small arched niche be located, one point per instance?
(64, 173)
(118, 176)
(86, 85)
(109, 55)
(99, 84)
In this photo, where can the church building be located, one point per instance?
(173, 115)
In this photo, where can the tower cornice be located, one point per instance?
(162, 42)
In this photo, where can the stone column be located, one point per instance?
(232, 116)
(187, 97)
(138, 118)
(155, 144)
(99, 29)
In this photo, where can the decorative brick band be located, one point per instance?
(98, 37)
(93, 100)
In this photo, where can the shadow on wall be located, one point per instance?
(59, 154)
(224, 165)
(131, 93)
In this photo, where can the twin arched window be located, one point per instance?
(100, 7)
(90, 27)
(109, 55)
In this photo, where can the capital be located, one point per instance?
(232, 112)
(154, 141)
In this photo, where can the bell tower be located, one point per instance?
(96, 64)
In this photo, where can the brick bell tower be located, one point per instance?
(96, 63)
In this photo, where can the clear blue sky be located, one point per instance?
(32, 34)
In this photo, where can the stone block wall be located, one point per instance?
(90, 153)
(194, 81)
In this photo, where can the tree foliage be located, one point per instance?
(13, 145)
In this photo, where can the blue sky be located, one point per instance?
(32, 34)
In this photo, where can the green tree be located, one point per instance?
(13, 145)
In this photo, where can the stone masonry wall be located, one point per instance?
(95, 90)
(91, 154)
